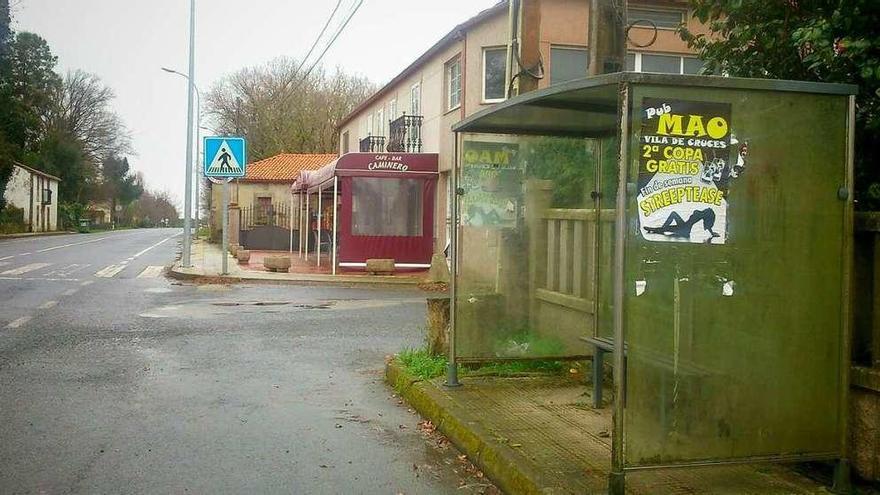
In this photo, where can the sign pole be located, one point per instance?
(225, 256)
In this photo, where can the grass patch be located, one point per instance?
(421, 364)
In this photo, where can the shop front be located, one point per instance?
(366, 206)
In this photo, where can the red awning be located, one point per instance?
(368, 165)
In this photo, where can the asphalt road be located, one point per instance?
(114, 379)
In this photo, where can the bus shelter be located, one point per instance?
(367, 206)
(696, 228)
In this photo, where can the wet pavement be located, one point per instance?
(128, 382)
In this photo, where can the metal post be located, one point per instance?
(299, 219)
(335, 220)
(617, 478)
(196, 170)
(290, 224)
(225, 256)
(187, 206)
(318, 228)
(842, 481)
(307, 226)
(452, 366)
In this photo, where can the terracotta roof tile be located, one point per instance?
(286, 166)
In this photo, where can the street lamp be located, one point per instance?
(198, 141)
(187, 203)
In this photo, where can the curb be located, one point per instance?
(506, 467)
(176, 273)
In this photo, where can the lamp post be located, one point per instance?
(187, 203)
(198, 141)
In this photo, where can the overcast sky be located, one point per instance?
(125, 42)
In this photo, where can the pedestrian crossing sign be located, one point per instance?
(225, 156)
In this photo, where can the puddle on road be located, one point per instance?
(204, 309)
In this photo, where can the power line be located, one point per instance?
(320, 35)
(332, 40)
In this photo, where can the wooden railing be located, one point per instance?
(866, 293)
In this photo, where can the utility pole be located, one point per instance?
(524, 65)
(187, 203)
(607, 36)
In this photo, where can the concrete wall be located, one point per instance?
(24, 191)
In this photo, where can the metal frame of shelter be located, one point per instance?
(613, 107)
(303, 190)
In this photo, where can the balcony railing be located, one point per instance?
(373, 144)
(405, 134)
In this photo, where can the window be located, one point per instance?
(663, 19)
(47, 196)
(370, 125)
(392, 109)
(345, 145)
(494, 74)
(667, 64)
(415, 99)
(567, 64)
(691, 65)
(380, 122)
(386, 207)
(453, 84)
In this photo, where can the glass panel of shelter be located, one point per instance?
(533, 222)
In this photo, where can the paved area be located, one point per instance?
(542, 429)
(207, 261)
(114, 379)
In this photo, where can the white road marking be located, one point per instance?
(25, 254)
(71, 244)
(53, 248)
(26, 268)
(7, 257)
(151, 271)
(69, 292)
(47, 305)
(111, 271)
(154, 245)
(19, 322)
(87, 282)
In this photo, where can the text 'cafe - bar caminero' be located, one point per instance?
(367, 206)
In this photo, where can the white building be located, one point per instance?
(36, 193)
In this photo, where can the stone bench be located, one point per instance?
(243, 256)
(277, 263)
(378, 266)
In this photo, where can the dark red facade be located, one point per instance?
(408, 251)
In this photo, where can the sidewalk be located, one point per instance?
(207, 260)
(35, 234)
(537, 434)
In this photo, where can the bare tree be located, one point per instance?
(280, 111)
(81, 108)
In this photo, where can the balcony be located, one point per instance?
(373, 144)
(406, 134)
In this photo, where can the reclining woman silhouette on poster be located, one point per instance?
(678, 227)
